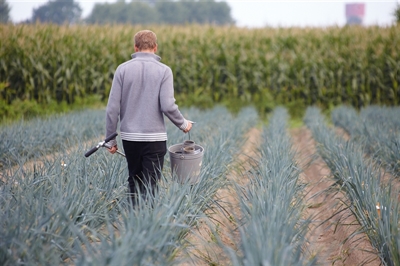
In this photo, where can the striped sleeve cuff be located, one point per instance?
(184, 125)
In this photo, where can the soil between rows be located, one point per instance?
(332, 224)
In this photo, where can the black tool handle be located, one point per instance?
(111, 137)
(93, 150)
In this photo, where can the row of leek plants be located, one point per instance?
(154, 233)
(272, 229)
(67, 209)
(374, 203)
(25, 140)
(377, 129)
(39, 205)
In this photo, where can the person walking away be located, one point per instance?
(142, 92)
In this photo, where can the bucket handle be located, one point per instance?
(192, 126)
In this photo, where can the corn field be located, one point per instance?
(234, 66)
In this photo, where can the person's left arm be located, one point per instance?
(168, 105)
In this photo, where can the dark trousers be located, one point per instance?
(145, 163)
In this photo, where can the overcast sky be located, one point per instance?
(261, 13)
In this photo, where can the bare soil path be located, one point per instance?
(205, 250)
(332, 223)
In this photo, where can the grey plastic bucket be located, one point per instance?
(186, 165)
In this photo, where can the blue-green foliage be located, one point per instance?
(377, 129)
(70, 209)
(35, 138)
(152, 235)
(40, 204)
(360, 178)
(273, 230)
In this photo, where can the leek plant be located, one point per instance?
(374, 204)
(378, 131)
(69, 210)
(39, 205)
(25, 140)
(154, 232)
(272, 231)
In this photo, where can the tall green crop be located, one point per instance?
(235, 66)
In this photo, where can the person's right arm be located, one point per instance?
(113, 108)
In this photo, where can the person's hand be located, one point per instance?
(113, 149)
(188, 128)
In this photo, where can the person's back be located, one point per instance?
(142, 91)
(146, 93)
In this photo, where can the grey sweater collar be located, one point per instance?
(146, 55)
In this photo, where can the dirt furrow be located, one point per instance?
(204, 248)
(329, 237)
